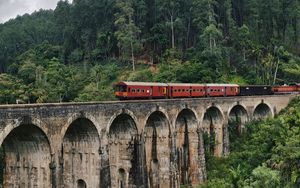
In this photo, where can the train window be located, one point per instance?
(194, 90)
(138, 90)
(120, 88)
(179, 90)
(143, 91)
(133, 90)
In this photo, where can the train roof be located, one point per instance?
(224, 85)
(141, 84)
(255, 86)
(172, 84)
(185, 84)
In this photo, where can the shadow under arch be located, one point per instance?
(75, 117)
(123, 152)
(25, 120)
(262, 111)
(27, 156)
(80, 154)
(157, 148)
(187, 148)
(238, 116)
(212, 124)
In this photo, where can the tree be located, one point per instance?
(127, 32)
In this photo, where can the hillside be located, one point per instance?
(267, 155)
(76, 51)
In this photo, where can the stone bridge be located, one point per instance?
(152, 143)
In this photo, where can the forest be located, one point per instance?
(76, 52)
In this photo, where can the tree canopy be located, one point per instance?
(253, 42)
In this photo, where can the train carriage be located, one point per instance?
(177, 90)
(218, 90)
(138, 90)
(256, 90)
(285, 89)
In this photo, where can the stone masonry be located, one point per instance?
(150, 143)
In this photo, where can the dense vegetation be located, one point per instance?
(266, 156)
(76, 51)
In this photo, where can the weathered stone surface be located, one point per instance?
(153, 143)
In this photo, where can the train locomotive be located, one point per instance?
(151, 90)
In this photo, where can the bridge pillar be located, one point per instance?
(225, 130)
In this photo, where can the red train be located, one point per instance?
(150, 90)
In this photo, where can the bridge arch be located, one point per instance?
(122, 146)
(238, 115)
(80, 154)
(127, 112)
(187, 144)
(25, 120)
(27, 154)
(262, 111)
(193, 111)
(213, 124)
(212, 114)
(156, 134)
(75, 117)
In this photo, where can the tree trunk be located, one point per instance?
(275, 74)
(172, 28)
(132, 56)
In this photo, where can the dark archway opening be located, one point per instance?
(186, 147)
(238, 117)
(81, 184)
(122, 178)
(213, 127)
(80, 154)
(26, 158)
(125, 152)
(157, 149)
(262, 111)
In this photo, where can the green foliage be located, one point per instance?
(263, 176)
(267, 155)
(11, 89)
(183, 41)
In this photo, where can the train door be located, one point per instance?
(225, 92)
(165, 91)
